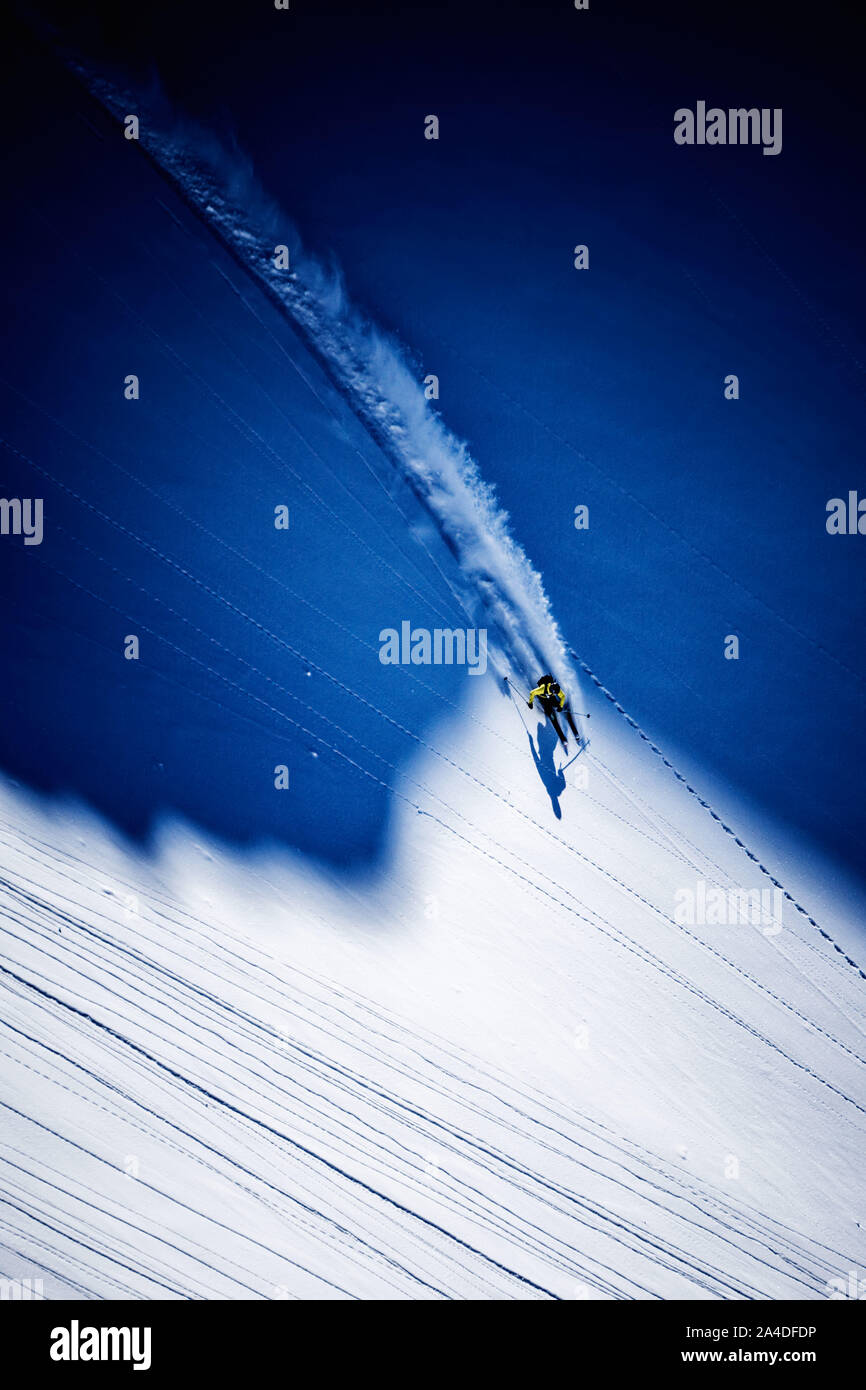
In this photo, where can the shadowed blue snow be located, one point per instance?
(706, 516)
(259, 647)
(606, 388)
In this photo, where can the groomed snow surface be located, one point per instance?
(497, 1069)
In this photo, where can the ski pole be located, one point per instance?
(514, 687)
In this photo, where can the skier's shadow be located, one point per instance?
(553, 779)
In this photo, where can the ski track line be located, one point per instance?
(648, 957)
(233, 1163)
(73, 1229)
(124, 1291)
(468, 1139)
(156, 1135)
(49, 1206)
(382, 1156)
(714, 717)
(726, 884)
(605, 1215)
(426, 1117)
(834, 970)
(328, 1228)
(48, 1269)
(741, 1286)
(357, 1002)
(182, 977)
(82, 1245)
(281, 1138)
(715, 815)
(199, 1213)
(123, 1215)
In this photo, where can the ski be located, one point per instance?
(560, 735)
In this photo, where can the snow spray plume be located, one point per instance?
(499, 588)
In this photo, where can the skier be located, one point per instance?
(547, 692)
(551, 697)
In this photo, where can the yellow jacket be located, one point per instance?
(548, 690)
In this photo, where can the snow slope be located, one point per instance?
(499, 1070)
(476, 1057)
